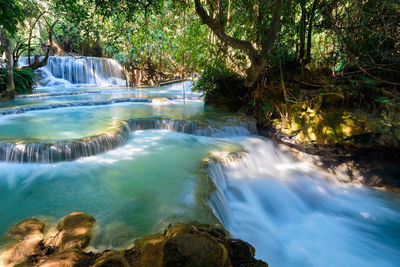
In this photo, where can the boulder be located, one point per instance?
(147, 251)
(185, 244)
(27, 227)
(194, 250)
(75, 231)
(194, 227)
(65, 258)
(28, 235)
(112, 259)
(242, 254)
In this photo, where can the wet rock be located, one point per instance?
(28, 235)
(196, 228)
(369, 158)
(240, 249)
(195, 244)
(147, 251)
(75, 231)
(194, 250)
(65, 258)
(242, 254)
(27, 227)
(185, 244)
(227, 157)
(112, 259)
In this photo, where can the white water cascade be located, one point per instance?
(65, 70)
(295, 215)
(50, 152)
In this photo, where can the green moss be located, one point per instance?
(335, 125)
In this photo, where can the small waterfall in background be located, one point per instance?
(65, 70)
(295, 215)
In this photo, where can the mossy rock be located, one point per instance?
(27, 227)
(194, 250)
(75, 230)
(185, 244)
(334, 125)
(112, 259)
(147, 251)
(67, 257)
(195, 227)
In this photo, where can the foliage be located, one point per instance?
(162, 40)
(24, 80)
(321, 45)
(223, 87)
(11, 14)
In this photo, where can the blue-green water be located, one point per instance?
(138, 185)
(292, 213)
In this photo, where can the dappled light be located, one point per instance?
(200, 133)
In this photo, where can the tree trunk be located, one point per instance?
(310, 28)
(40, 63)
(10, 88)
(257, 60)
(302, 36)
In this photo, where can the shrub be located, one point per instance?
(222, 88)
(24, 80)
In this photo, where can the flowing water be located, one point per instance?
(80, 70)
(138, 159)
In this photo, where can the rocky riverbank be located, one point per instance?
(34, 243)
(369, 158)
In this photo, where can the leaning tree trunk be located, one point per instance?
(37, 63)
(258, 60)
(5, 43)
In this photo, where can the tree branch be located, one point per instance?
(257, 62)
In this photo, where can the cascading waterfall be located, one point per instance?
(242, 128)
(65, 70)
(44, 152)
(295, 215)
(48, 152)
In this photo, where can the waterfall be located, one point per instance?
(44, 152)
(203, 128)
(295, 215)
(48, 152)
(65, 70)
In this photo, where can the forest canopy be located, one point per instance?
(276, 48)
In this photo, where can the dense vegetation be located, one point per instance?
(24, 80)
(274, 59)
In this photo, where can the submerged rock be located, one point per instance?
(185, 244)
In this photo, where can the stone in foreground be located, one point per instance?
(185, 244)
